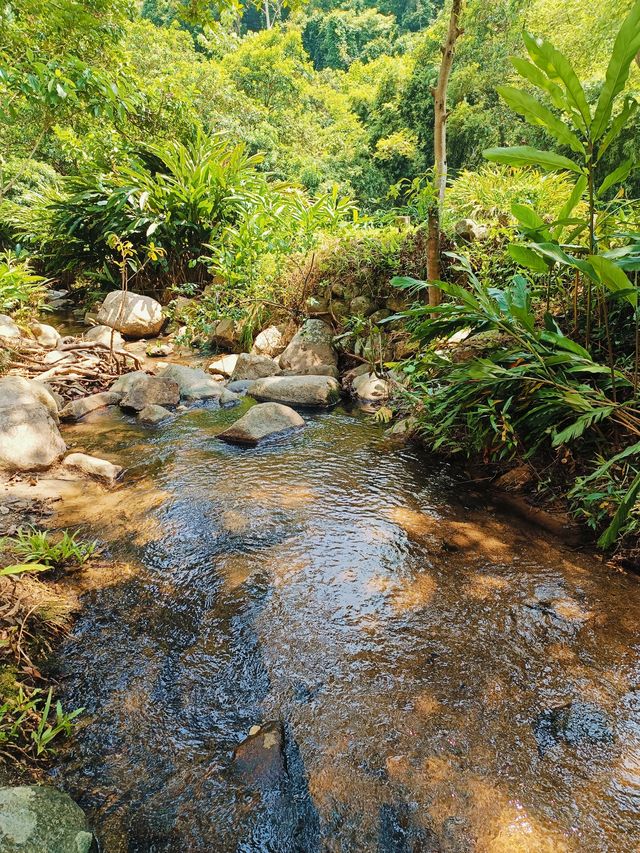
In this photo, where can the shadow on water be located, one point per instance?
(444, 677)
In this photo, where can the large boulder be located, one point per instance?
(46, 335)
(194, 384)
(93, 467)
(41, 819)
(133, 315)
(310, 348)
(77, 409)
(270, 341)
(312, 391)
(265, 420)
(102, 335)
(151, 391)
(29, 436)
(250, 366)
(8, 329)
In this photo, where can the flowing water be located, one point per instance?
(448, 680)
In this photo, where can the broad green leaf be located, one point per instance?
(625, 48)
(559, 70)
(22, 568)
(574, 198)
(614, 278)
(534, 75)
(528, 216)
(618, 176)
(622, 513)
(559, 256)
(524, 155)
(620, 121)
(527, 258)
(539, 116)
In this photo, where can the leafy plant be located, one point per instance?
(39, 548)
(27, 725)
(19, 287)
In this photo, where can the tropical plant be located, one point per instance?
(19, 286)
(42, 549)
(28, 726)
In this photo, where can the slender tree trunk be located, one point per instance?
(440, 150)
(267, 14)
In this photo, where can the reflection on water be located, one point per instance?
(410, 644)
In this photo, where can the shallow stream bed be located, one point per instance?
(448, 679)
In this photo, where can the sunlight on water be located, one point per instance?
(448, 681)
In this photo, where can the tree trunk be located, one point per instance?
(440, 149)
(267, 15)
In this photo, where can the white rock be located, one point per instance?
(269, 342)
(92, 466)
(370, 387)
(8, 329)
(46, 336)
(133, 315)
(249, 366)
(29, 436)
(223, 366)
(102, 335)
(77, 409)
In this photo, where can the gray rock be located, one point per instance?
(315, 370)
(92, 466)
(102, 335)
(270, 341)
(379, 315)
(159, 350)
(229, 398)
(77, 409)
(223, 366)
(240, 387)
(45, 335)
(29, 436)
(151, 391)
(127, 380)
(310, 348)
(312, 391)
(194, 384)
(250, 366)
(153, 414)
(41, 819)
(371, 388)
(265, 420)
(133, 315)
(8, 329)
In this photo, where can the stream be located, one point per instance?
(448, 679)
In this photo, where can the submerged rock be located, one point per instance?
(311, 348)
(574, 723)
(151, 391)
(260, 758)
(194, 384)
(92, 466)
(250, 366)
(29, 436)
(77, 409)
(265, 420)
(240, 386)
(41, 819)
(312, 391)
(269, 342)
(133, 315)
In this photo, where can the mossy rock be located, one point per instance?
(38, 818)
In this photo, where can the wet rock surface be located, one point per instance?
(263, 421)
(151, 391)
(193, 382)
(575, 723)
(305, 391)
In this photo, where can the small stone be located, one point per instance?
(159, 350)
(102, 335)
(228, 398)
(151, 391)
(45, 335)
(8, 329)
(260, 758)
(253, 730)
(362, 306)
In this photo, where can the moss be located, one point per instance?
(8, 682)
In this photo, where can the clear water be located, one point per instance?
(409, 637)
